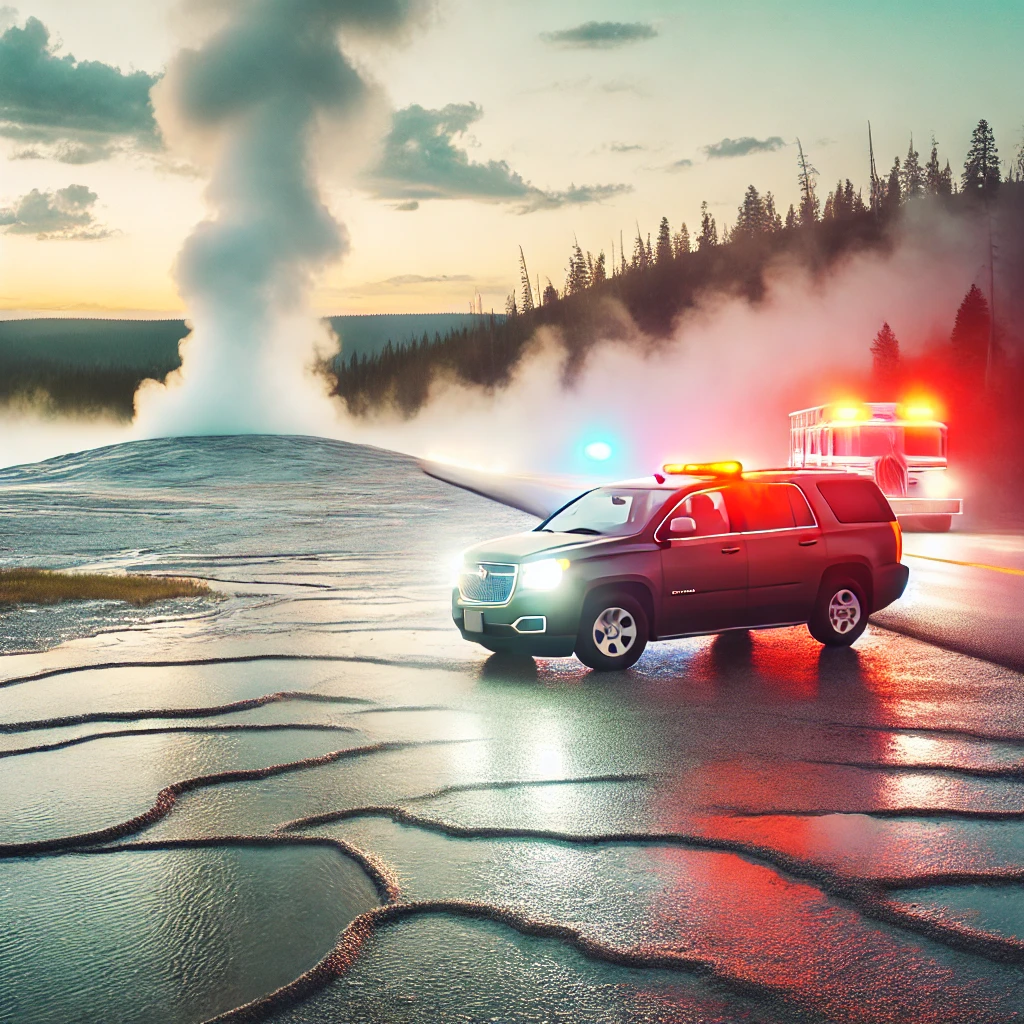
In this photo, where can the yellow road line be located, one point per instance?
(970, 565)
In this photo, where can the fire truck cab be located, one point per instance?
(903, 449)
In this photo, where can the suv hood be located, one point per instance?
(518, 547)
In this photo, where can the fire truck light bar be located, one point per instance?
(703, 468)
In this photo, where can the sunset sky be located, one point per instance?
(536, 123)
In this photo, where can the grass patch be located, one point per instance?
(39, 586)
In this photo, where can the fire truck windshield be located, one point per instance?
(870, 441)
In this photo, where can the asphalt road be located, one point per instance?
(966, 592)
(314, 799)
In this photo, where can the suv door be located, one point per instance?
(785, 553)
(704, 575)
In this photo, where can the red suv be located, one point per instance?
(697, 549)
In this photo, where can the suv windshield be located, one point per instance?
(607, 511)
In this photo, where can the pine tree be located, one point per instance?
(599, 274)
(708, 237)
(912, 176)
(808, 194)
(510, 305)
(550, 294)
(639, 252)
(681, 241)
(577, 278)
(772, 218)
(933, 173)
(981, 168)
(790, 218)
(885, 350)
(663, 253)
(970, 335)
(650, 251)
(1018, 164)
(946, 186)
(750, 217)
(524, 277)
(893, 189)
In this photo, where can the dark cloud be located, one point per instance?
(79, 108)
(408, 207)
(421, 160)
(680, 165)
(601, 35)
(65, 214)
(741, 147)
(626, 147)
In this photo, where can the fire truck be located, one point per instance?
(902, 448)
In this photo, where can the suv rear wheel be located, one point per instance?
(840, 613)
(613, 632)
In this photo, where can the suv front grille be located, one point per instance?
(488, 583)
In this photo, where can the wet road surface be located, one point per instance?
(312, 801)
(966, 592)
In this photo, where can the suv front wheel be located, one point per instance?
(613, 632)
(840, 614)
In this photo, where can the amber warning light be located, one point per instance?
(703, 468)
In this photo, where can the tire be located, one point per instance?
(621, 616)
(840, 614)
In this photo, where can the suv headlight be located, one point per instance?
(543, 575)
(458, 567)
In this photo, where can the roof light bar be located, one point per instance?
(731, 468)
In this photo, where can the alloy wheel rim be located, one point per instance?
(614, 632)
(844, 611)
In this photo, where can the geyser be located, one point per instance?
(249, 103)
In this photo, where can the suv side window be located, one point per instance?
(767, 507)
(856, 501)
(802, 514)
(708, 510)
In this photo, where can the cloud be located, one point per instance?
(65, 214)
(408, 207)
(742, 147)
(406, 279)
(679, 165)
(601, 35)
(422, 160)
(574, 195)
(626, 147)
(80, 109)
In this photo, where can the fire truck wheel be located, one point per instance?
(613, 632)
(840, 613)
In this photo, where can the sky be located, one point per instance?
(503, 124)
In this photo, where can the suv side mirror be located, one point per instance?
(682, 526)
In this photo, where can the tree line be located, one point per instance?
(666, 273)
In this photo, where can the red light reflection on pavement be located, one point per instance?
(765, 930)
(759, 926)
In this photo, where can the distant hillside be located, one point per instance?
(367, 335)
(88, 365)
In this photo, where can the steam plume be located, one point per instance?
(250, 101)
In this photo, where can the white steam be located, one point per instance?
(721, 387)
(250, 101)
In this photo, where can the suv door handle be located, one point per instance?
(808, 543)
(729, 551)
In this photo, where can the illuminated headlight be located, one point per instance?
(543, 575)
(458, 567)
